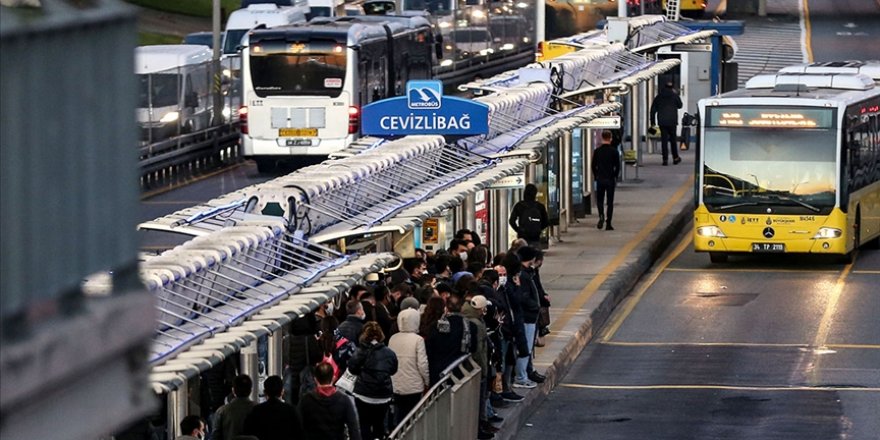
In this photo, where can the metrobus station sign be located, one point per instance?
(425, 111)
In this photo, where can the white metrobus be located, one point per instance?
(303, 86)
(791, 163)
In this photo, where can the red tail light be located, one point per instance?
(539, 54)
(243, 119)
(354, 120)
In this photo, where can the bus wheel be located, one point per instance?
(717, 257)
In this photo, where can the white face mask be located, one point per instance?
(463, 256)
(502, 280)
(330, 308)
(424, 272)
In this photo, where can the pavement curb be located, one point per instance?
(614, 289)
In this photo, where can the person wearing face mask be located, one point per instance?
(531, 306)
(458, 248)
(192, 428)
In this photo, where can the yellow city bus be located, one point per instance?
(791, 163)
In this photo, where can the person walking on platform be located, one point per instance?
(664, 113)
(229, 418)
(606, 169)
(326, 413)
(273, 419)
(529, 217)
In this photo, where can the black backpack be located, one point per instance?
(529, 220)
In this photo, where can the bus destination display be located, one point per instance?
(771, 117)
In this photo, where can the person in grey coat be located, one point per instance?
(229, 418)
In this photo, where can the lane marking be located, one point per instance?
(808, 32)
(675, 269)
(827, 318)
(631, 303)
(736, 344)
(831, 308)
(867, 272)
(593, 286)
(179, 185)
(716, 387)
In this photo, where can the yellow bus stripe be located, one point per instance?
(716, 387)
(593, 286)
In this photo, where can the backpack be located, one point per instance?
(529, 220)
(344, 351)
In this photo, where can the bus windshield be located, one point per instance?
(233, 40)
(158, 89)
(749, 169)
(280, 68)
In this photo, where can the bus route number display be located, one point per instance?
(771, 117)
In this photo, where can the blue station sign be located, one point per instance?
(425, 110)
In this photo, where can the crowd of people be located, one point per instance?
(356, 371)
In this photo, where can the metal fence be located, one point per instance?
(449, 410)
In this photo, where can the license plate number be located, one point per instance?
(298, 142)
(285, 132)
(768, 247)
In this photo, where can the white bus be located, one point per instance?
(303, 86)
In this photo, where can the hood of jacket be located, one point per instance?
(408, 320)
(470, 312)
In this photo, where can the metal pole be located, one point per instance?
(468, 213)
(539, 21)
(276, 363)
(503, 206)
(177, 409)
(634, 125)
(621, 8)
(565, 210)
(218, 71)
(587, 148)
(250, 365)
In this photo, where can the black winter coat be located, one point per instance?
(529, 297)
(444, 343)
(272, 420)
(664, 108)
(326, 417)
(373, 364)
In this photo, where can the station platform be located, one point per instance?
(590, 270)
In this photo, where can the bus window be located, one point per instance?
(316, 67)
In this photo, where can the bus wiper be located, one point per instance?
(737, 205)
(799, 202)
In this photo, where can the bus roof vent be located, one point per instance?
(870, 68)
(793, 82)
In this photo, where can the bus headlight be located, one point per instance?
(169, 117)
(825, 232)
(710, 231)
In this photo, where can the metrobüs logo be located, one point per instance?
(424, 95)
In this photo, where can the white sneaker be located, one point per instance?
(524, 384)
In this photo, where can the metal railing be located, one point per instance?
(449, 410)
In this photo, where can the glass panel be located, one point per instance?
(280, 68)
(748, 169)
(163, 88)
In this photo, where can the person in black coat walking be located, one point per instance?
(273, 419)
(327, 413)
(664, 112)
(529, 217)
(606, 169)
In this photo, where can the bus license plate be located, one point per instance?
(285, 132)
(768, 247)
(298, 142)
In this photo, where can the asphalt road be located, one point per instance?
(758, 348)
(844, 29)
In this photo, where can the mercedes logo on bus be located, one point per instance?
(768, 233)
